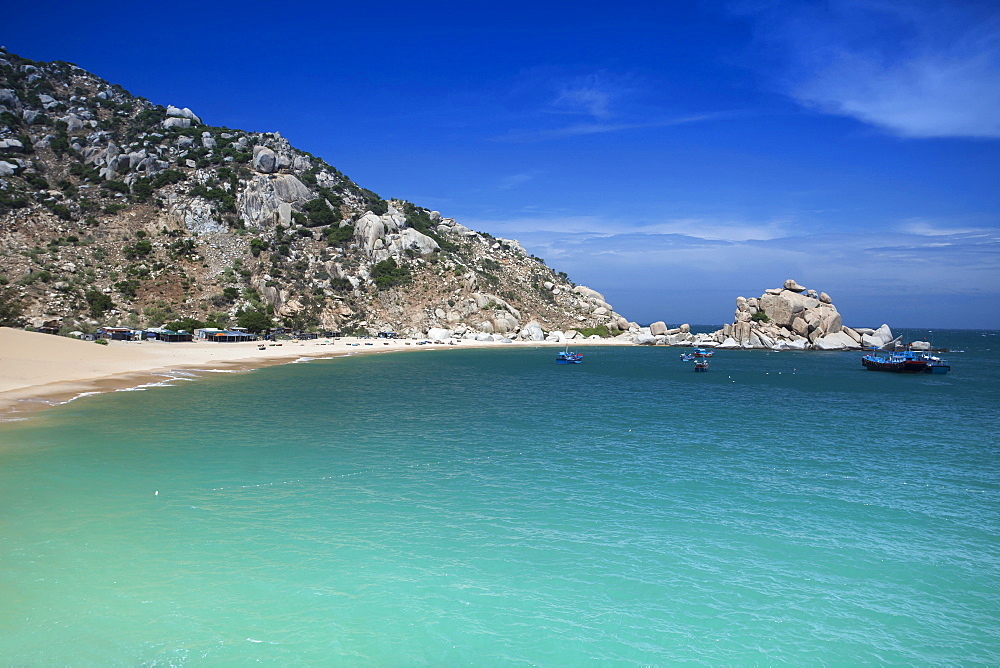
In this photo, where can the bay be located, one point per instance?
(491, 507)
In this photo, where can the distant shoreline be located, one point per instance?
(39, 371)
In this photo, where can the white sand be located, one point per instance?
(56, 368)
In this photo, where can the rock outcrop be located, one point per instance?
(794, 317)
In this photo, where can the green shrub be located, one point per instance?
(336, 235)
(142, 190)
(115, 186)
(387, 274)
(141, 248)
(601, 330)
(98, 303)
(168, 177)
(101, 342)
(253, 319)
(11, 308)
(187, 324)
(760, 316)
(319, 213)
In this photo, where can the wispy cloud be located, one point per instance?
(592, 95)
(515, 180)
(556, 105)
(580, 129)
(929, 228)
(914, 69)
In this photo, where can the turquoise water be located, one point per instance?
(457, 507)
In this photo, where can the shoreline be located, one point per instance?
(40, 371)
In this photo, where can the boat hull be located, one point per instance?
(904, 362)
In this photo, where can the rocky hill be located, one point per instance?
(115, 210)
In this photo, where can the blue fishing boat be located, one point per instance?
(568, 357)
(701, 352)
(905, 361)
(687, 357)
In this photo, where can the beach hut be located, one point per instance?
(168, 335)
(223, 335)
(116, 333)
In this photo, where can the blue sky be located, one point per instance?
(672, 155)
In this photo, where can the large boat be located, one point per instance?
(568, 357)
(701, 352)
(905, 361)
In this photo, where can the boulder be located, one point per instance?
(174, 112)
(9, 99)
(658, 328)
(920, 345)
(438, 334)
(781, 308)
(176, 123)
(289, 189)
(835, 341)
(644, 339)
(414, 240)
(590, 294)
(532, 332)
(790, 284)
(264, 160)
(825, 298)
(729, 342)
(832, 323)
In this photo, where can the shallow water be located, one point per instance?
(492, 507)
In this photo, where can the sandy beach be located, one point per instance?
(41, 370)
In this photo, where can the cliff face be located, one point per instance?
(118, 211)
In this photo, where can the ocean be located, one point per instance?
(455, 507)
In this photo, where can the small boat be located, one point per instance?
(701, 352)
(261, 347)
(567, 357)
(701, 365)
(906, 361)
(687, 357)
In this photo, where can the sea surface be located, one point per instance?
(454, 507)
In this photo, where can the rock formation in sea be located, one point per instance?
(791, 317)
(795, 317)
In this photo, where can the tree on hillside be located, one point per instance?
(254, 320)
(10, 308)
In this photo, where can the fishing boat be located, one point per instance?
(568, 357)
(687, 357)
(701, 352)
(905, 361)
(701, 365)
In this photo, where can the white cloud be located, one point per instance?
(929, 228)
(914, 69)
(515, 180)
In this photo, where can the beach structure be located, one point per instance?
(223, 335)
(117, 333)
(168, 335)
